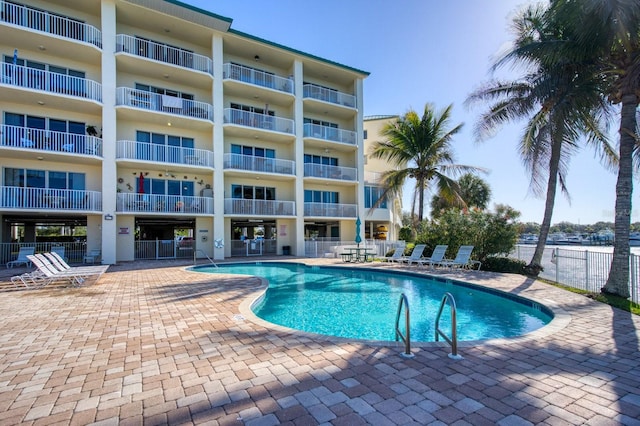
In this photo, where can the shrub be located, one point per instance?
(491, 233)
(504, 264)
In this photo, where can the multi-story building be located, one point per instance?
(147, 119)
(384, 222)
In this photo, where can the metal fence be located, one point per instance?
(73, 252)
(332, 247)
(582, 269)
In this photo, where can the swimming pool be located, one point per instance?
(362, 303)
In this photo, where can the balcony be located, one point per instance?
(329, 134)
(163, 53)
(50, 23)
(330, 172)
(19, 198)
(239, 206)
(330, 210)
(168, 204)
(319, 93)
(144, 151)
(126, 96)
(257, 77)
(51, 82)
(258, 164)
(372, 177)
(25, 138)
(258, 121)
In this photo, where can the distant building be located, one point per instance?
(144, 120)
(384, 222)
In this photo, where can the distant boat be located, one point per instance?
(557, 238)
(634, 239)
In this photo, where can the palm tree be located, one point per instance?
(420, 148)
(608, 31)
(559, 99)
(474, 192)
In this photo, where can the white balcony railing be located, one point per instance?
(259, 164)
(329, 209)
(163, 53)
(259, 207)
(14, 197)
(330, 172)
(257, 77)
(42, 20)
(259, 121)
(329, 133)
(133, 150)
(52, 82)
(155, 203)
(372, 177)
(328, 95)
(163, 103)
(48, 140)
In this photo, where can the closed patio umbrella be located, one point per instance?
(358, 238)
(141, 183)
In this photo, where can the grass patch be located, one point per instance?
(609, 299)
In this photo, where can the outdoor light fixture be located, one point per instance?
(108, 217)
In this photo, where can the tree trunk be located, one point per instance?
(421, 200)
(535, 266)
(618, 281)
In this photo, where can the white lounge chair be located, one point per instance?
(51, 274)
(60, 264)
(397, 255)
(462, 260)
(22, 257)
(436, 257)
(415, 254)
(59, 250)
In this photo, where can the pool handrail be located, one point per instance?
(453, 340)
(407, 321)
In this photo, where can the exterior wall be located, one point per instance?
(118, 114)
(391, 217)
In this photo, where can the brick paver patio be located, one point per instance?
(151, 343)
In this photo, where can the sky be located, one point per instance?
(436, 52)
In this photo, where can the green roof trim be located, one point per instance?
(299, 52)
(198, 10)
(378, 117)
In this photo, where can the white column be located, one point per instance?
(109, 123)
(298, 115)
(218, 150)
(360, 152)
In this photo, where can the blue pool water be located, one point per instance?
(362, 303)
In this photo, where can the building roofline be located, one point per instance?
(378, 117)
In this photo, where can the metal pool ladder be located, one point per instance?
(195, 252)
(407, 320)
(453, 340)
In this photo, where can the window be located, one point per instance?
(325, 197)
(168, 187)
(44, 179)
(59, 79)
(248, 192)
(364, 135)
(372, 194)
(162, 147)
(320, 123)
(253, 151)
(162, 91)
(318, 159)
(164, 52)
